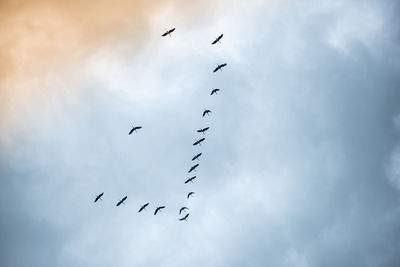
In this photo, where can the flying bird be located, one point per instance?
(158, 209)
(183, 209)
(193, 168)
(217, 40)
(198, 142)
(206, 112)
(214, 91)
(190, 194)
(196, 157)
(143, 207)
(190, 179)
(99, 197)
(121, 201)
(220, 66)
(203, 130)
(168, 32)
(184, 218)
(134, 129)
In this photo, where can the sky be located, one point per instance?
(300, 166)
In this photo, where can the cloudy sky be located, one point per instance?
(300, 167)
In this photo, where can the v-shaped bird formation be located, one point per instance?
(207, 112)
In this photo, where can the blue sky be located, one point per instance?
(300, 166)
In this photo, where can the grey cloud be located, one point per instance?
(294, 168)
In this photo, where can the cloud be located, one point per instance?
(294, 167)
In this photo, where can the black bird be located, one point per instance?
(190, 179)
(196, 157)
(214, 91)
(168, 32)
(134, 129)
(158, 209)
(206, 112)
(143, 207)
(198, 142)
(193, 168)
(184, 218)
(122, 201)
(99, 197)
(190, 194)
(183, 209)
(220, 66)
(203, 130)
(217, 40)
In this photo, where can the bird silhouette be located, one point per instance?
(134, 129)
(99, 197)
(198, 142)
(219, 67)
(196, 157)
(143, 207)
(184, 218)
(168, 32)
(193, 168)
(203, 130)
(183, 209)
(190, 179)
(158, 209)
(214, 91)
(206, 112)
(217, 40)
(121, 201)
(190, 194)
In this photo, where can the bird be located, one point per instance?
(217, 40)
(99, 197)
(203, 130)
(143, 207)
(198, 142)
(220, 66)
(121, 201)
(184, 218)
(158, 209)
(190, 179)
(193, 168)
(190, 194)
(134, 129)
(214, 91)
(168, 32)
(206, 112)
(183, 209)
(196, 157)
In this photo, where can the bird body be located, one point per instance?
(143, 207)
(158, 209)
(121, 201)
(217, 40)
(203, 130)
(184, 218)
(206, 112)
(183, 209)
(214, 91)
(196, 157)
(168, 32)
(198, 142)
(99, 197)
(220, 66)
(190, 179)
(193, 168)
(190, 194)
(134, 129)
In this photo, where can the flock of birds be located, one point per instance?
(197, 142)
